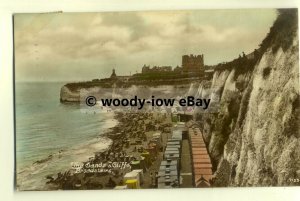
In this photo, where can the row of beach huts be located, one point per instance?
(168, 175)
(201, 163)
(169, 170)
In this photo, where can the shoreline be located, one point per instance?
(82, 152)
(121, 150)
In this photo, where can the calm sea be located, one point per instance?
(45, 126)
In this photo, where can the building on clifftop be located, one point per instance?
(113, 75)
(193, 64)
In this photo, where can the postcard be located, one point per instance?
(156, 99)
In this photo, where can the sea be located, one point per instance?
(53, 133)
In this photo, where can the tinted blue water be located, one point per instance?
(44, 126)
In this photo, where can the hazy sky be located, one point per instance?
(84, 46)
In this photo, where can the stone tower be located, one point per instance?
(193, 63)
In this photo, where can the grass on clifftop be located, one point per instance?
(283, 30)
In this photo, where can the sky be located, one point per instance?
(84, 46)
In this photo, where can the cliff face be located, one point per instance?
(68, 95)
(264, 148)
(254, 138)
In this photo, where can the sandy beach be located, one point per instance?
(114, 146)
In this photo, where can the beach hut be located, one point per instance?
(169, 162)
(195, 149)
(132, 184)
(176, 151)
(198, 145)
(196, 157)
(201, 160)
(168, 181)
(173, 143)
(132, 176)
(202, 182)
(172, 149)
(203, 171)
(202, 165)
(170, 173)
(172, 156)
(199, 152)
(168, 169)
(174, 140)
(141, 175)
(177, 134)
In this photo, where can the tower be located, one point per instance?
(193, 63)
(113, 75)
